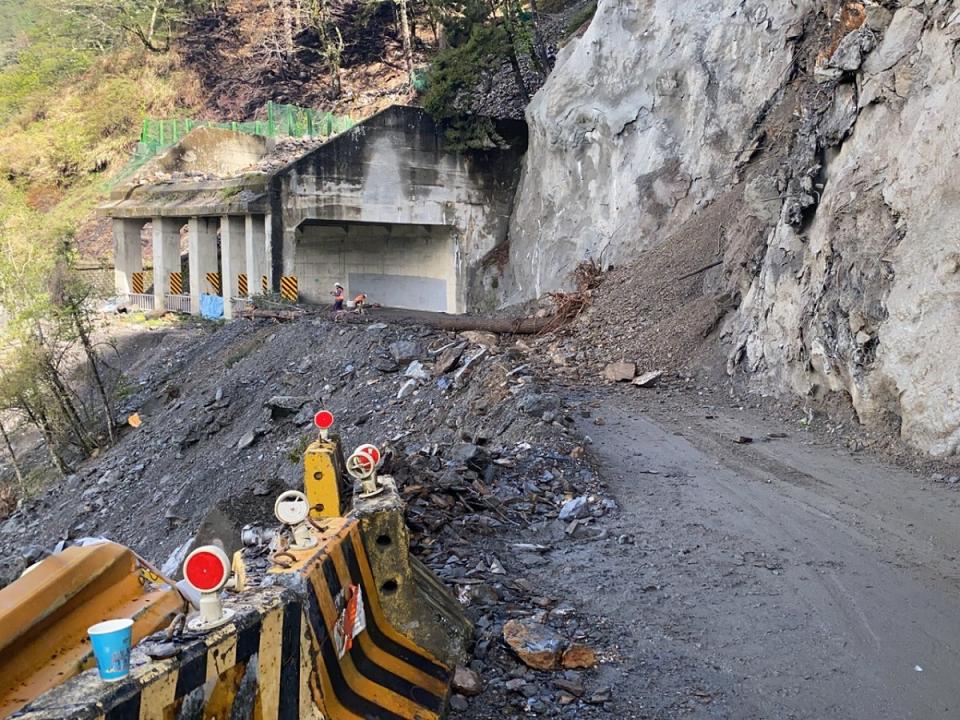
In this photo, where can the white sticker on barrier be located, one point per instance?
(352, 621)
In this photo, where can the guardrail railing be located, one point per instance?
(177, 303)
(140, 301)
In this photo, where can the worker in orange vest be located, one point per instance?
(337, 296)
(359, 301)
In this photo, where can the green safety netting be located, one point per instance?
(281, 121)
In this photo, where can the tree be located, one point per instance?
(331, 40)
(103, 24)
(46, 338)
(483, 36)
(8, 443)
(406, 36)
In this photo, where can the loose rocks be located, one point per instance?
(536, 645)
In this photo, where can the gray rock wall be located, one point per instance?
(639, 126)
(873, 307)
(847, 121)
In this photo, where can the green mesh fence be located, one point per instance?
(281, 121)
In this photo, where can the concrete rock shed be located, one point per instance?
(384, 208)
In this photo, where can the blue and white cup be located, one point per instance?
(111, 646)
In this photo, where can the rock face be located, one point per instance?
(637, 119)
(831, 137)
(863, 300)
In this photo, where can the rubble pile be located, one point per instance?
(483, 452)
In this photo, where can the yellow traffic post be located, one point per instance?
(324, 480)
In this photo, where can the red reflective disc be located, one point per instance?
(371, 450)
(366, 459)
(204, 571)
(323, 419)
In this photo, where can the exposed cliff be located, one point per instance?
(814, 140)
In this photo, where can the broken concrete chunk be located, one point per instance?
(620, 371)
(648, 379)
(536, 645)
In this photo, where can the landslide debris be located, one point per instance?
(484, 453)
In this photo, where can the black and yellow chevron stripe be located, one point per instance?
(213, 279)
(137, 284)
(176, 283)
(384, 675)
(288, 288)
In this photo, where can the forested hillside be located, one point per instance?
(79, 77)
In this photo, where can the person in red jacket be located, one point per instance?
(338, 296)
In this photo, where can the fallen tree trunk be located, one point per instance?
(273, 314)
(453, 323)
(511, 326)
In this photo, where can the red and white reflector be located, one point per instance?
(207, 570)
(362, 466)
(371, 451)
(324, 421)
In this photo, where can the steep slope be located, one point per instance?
(812, 141)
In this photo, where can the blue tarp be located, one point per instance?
(211, 306)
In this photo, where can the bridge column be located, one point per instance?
(166, 257)
(255, 248)
(233, 259)
(127, 257)
(203, 259)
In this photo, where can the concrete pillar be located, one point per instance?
(127, 258)
(203, 258)
(290, 238)
(233, 257)
(268, 251)
(255, 248)
(166, 256)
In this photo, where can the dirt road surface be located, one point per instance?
(776, 579)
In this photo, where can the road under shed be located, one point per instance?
(397, 265)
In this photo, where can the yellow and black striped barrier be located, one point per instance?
(242, 285)
(176, 283)
(288, 288)
(137, 284)
(264, 284)
(311, 637)
(213, 280)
